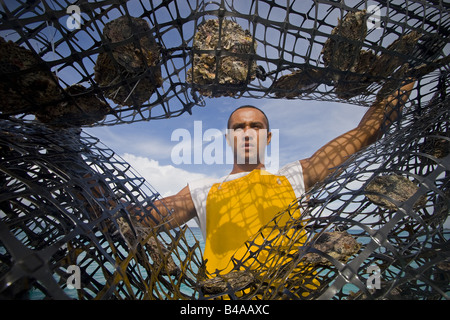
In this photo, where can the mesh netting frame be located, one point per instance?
(307, 27)
(338, 204)
(84, 189)
(421, 96)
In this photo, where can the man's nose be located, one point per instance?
(249, 132)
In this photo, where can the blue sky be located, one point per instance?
(303, 127)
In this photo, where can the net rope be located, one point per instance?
(65, 197)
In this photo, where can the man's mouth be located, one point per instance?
(248, 146)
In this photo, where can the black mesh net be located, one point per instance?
(65, 201)
(126, 62)
(65, 197)
(385, 210)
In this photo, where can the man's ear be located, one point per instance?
(269, 137)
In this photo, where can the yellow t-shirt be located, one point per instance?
(232, 210)
(237, 210)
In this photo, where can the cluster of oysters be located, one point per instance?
(222, 56)
(223, 62)
(130, 72)
(30, 87)
(350, 69)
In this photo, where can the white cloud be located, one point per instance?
(165, 179)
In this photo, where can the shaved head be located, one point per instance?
(249, 107)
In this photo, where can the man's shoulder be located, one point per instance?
(202, 183)
(294, 173)
(291, 168)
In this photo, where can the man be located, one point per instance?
(232, 209)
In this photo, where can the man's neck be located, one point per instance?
(238, 168)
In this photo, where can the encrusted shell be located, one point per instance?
(130, 74)
(230, 72)
(391, 59)
(352, 70)
(342, 51)
(82, 108)
(123, 87)
(338, 244)
(141, 50)
(300, 81)
(382, 189)
(34, 87)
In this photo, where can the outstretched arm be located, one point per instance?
(325, 160)
(173, 211)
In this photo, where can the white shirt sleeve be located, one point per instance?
(294, 173)
(199, 192)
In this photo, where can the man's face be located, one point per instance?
(248, 136)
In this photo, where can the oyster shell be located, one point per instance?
(83, 109)
(235, 280)
(353, 84)
(33, 86)
(160, 255)
(345, 54)
(353, 69)
(130, 74)
(391, 59)
(122, 87)
(436, 145)
(135, 55)
(300, 81)
(342, 51)
(338, 244)
(395, 187)
(231, 72)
